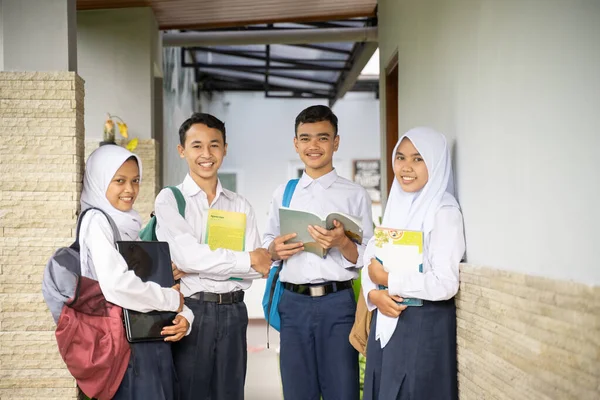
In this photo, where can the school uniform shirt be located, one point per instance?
(104, 263)
(329, 193)
(443, 249)
(207, 270)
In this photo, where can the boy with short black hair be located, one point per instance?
(317, 306)
(211, 361)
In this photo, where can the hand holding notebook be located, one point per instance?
(150, 261)
(400, 251)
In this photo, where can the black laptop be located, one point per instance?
(151, 261)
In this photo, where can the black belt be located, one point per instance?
(220, 298)
(318, 289)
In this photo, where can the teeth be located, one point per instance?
(126, 198)
(207, 164)
(408, 178)
(314, 155)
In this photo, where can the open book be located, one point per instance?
(297, 221)
(400, 250)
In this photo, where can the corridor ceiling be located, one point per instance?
(323, 70)
(207, 14)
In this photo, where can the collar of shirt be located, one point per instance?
(325, 181)
(191, 188)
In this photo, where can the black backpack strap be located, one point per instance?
(116, 233)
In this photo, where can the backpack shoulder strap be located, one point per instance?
(116, 233)
(289, 192)
(179, 198)
(287, 196)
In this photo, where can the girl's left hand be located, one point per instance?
(177, 273)
(377, 274)
(177, 331)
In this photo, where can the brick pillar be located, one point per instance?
(41, 164)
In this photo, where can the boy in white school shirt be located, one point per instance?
(316, 356)
(211, 361)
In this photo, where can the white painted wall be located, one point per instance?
(260, 134)
(1, 38)
(179, 102)
(117, 58)
(37, 35)
(516, 84)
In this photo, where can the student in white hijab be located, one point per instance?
(111, 183)
(411, 351)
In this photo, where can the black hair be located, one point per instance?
(201, 118)
(314, 114)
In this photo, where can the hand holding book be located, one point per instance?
(377, 273)
(387, 305)
(281, 251)
(318, 234)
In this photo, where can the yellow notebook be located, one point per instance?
(225, 230)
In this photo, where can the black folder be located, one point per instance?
(151, 261)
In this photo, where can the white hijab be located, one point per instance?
(416, 211)
(100, 168)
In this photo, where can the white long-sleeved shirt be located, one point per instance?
(329, 193)
(120, 285)
(444, 247)
(207, 270)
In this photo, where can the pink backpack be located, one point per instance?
(90, 332)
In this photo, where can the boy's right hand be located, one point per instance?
(181, 299)
(386, 304)
(260, 261)
(281, 251)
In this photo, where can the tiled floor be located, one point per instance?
(262, 379)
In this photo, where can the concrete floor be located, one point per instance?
(263, 381)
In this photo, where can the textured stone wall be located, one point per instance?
(41, 160)
(526, 337)
(147, 150)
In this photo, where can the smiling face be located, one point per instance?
(124, 187)
(204, 152)
(315, 143)
(409, 167)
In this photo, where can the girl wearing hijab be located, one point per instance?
(411, 351)
(111, 183)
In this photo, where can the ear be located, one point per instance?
(336, 142)
(180, 150)
(225, 150)
(296, 144)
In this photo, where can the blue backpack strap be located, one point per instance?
(289, 192)
(274, 287)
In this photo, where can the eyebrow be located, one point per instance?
(199, 141)
(322, 134)
(414, 155)
(123, 176)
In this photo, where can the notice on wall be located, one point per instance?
(367, 173)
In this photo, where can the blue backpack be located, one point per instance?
(274, 288)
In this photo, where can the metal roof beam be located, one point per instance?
(238, 67)
(270, 36)
(241, 54)
(361, 55)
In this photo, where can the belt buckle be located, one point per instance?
(220, 298)
(316, 291)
